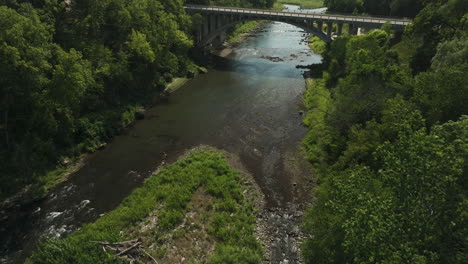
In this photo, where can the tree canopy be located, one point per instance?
(389, 140)
(71, 73)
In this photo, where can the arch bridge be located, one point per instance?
(218, 19)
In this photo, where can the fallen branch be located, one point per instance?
(130, 248)
(148, 254)
(115, 243)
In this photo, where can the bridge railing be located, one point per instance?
(350, 18)
(370, 16)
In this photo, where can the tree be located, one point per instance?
(410, 210)
(442, 95)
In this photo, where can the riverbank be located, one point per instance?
(304, 4)
(48, 181)
(317, 45)
(198, 209)
(239, 35)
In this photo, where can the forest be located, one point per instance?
(73, 76)
(398, 8)
(239, 3)
(387, 124)
(388, 136)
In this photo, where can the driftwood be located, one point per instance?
(116, 243)
(129, 250)
(155, 261)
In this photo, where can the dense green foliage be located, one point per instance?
(317, 45)
(74, 74)
(404, 8)
(390, 143)
(240, 3)
(71, 76)
(171, 189)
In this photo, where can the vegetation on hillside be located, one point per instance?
(240, 3)
(73, 75)
(389, 139)
(317, 45)
(402, 8)
(303, 3)
(165, 195)
(240, 29)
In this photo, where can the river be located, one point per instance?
(247, 105)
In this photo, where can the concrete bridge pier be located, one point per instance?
(329, 29)
(353, 29)
(206, 26)
(212, 23)
(320, 25)
(339, 29)
(218, 21)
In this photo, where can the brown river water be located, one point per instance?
(247, 105)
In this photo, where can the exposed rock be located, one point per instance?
(273, 59)
(66, 162)
(140, 114)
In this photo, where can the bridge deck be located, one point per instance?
(298, 15)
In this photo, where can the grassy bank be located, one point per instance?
(98, 128)
(199, 198)
(241, 29)
(317, 45)
(278, 6)
(176, 84)
(318, 101)
(101, 127)
(306, 4)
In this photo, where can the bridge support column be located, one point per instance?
(320, 26)
(353, 29)
(200, 33)
(329, 29)
(217, 21)
(222, 37)
(340, 29)
(206, 26)
(212, 19)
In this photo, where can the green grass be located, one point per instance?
(307, 4)
(278, 6)
(171, 189)
(317, 45)
(241, 29)
(176, 84)
(48, 181)
(318, 101)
